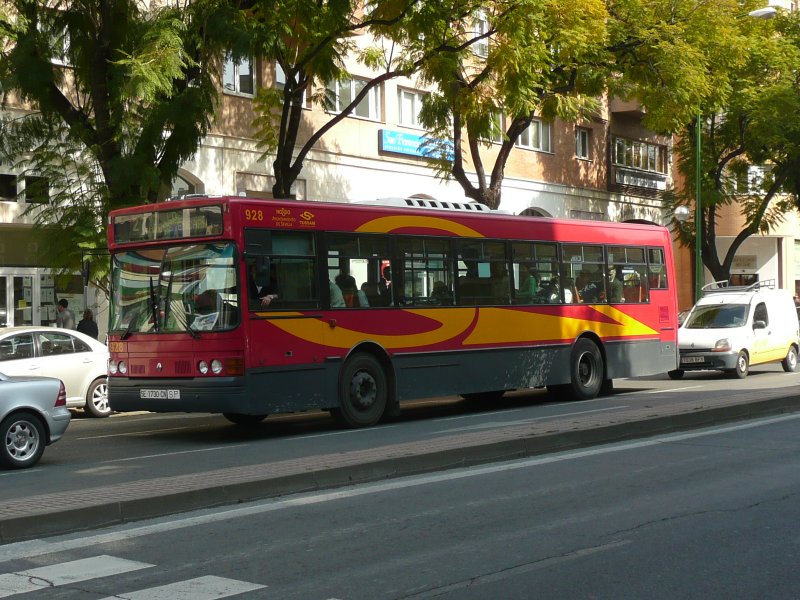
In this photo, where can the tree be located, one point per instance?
(310, 41)
(121, 95)
(758, 125)
(547, 60)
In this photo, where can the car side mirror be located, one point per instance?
(759, 325)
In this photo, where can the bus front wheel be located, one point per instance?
(586, 370)
(363, 392)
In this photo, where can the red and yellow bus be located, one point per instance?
(250, 307)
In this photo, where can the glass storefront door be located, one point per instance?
(28, 296)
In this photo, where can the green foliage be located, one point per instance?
(127, 91)
(756, 123)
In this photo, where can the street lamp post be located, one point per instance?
(698, 213)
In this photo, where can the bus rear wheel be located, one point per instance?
(586, 370)
(245, 420)
(363, 392)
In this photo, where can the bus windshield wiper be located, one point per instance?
(154, 305)
(167, 298)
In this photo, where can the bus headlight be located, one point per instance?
(123, 367)
(202, 366)
(112, 367)
(216, 366)
(723, 345)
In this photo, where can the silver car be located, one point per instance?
(78, 360)
(33, 414)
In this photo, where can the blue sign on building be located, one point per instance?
(398, 142)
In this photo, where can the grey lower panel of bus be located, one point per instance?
(520, 368)
(277, 390)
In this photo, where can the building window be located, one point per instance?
(536, 136)
(582, 136)
(481, 47)
(280, 83)
(237, 76)
(345, 91)
(409, 104)
(640, 155)
(8, 188)
(37, 190)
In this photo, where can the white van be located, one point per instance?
(731, 328)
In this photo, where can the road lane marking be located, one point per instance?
(134, 433)
(66, 573)
(200, 588)
(121, 533)
(143, 456)
(680, 389)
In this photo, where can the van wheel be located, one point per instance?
(586, 370)
(742, 366)
(789, 363)
(363, 392)
(676, 374)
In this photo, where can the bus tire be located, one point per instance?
(363, 392)
(245, 420)
(675, 374)
(586, 370)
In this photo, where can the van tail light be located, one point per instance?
(61, 399)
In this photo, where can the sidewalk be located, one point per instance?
(52, 514)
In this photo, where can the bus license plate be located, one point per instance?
(160, 394)
(692, 359)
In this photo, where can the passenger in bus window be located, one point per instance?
(616, 285)
(265, 295)
(337, 298)
(500, 284)
(441, 294)
(347, 284)
(528, 284)
(587, 290)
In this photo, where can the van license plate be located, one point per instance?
(692, 359)
(160, 394)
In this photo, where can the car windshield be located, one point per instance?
(718, 316)
(189, 288)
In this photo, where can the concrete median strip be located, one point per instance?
(58, 513)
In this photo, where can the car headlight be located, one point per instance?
(723, 345)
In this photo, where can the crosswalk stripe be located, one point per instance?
(66, 573)
(201, 588)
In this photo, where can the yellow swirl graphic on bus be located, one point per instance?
(489, 326)
(387, 224)
(498, 325)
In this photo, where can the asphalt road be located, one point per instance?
(130, 467)
(126, 447)
(706, 514)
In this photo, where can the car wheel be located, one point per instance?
(676, 374)
(742, 366)
(363, 392)
(97, 398)
(789, 363)
(245, 420)
(23, 440)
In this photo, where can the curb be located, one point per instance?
(67, 512)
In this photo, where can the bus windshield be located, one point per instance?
(182, 288)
